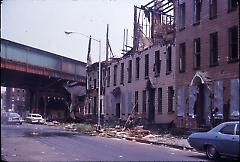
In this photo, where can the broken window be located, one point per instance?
(182, 53)
(196, 53)
(233, 44)
(122, 73)
(115, 75)
(212, 9)
(160, 100)
(157, 63)
(181, 16)
(169, 60)
(146, 65)
(136, 101)
(129, 71)
(137, 67)
(108, 77)
(232, 5)
(144, 98)
(170, 99)
(196, 11)
(214, 49)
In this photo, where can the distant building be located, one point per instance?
(91, 102)
(15, 100)
(207, 62)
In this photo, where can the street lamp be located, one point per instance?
(99, 80)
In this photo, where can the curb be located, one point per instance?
(140, 141)
(154, 143)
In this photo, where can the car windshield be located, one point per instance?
(37, 116)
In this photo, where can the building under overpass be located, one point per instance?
(54, 84)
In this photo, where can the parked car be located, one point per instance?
(221, 140)
(35, 118)
(11, 118)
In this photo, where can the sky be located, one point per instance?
(41, 24)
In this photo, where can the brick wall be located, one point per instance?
(224, 71)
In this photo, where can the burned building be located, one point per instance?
(207, 62)
(142, 81)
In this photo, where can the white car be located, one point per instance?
(35, 118)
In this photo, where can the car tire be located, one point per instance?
(211, 152)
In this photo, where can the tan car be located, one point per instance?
(35, 119)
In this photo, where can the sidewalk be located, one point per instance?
(150, 138)
(134, 134)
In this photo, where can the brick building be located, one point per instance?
(143, 80)
(91, 102)
(207, 62)
(15, 100)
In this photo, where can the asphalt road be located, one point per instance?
(29, 142)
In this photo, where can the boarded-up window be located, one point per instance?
(180, 102)
(234, 104)
(192, 100)
(218, 97)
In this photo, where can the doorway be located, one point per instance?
(118, 110)
(151, 105)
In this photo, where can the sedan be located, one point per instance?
(221, 140)
(35, 118)
(12, 118)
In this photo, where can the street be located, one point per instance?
(29, 142)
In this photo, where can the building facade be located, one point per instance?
(92, 96)
(207, 62)
(143, 81)
(15, 100)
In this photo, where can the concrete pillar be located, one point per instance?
(45, 106)
(8, 98)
